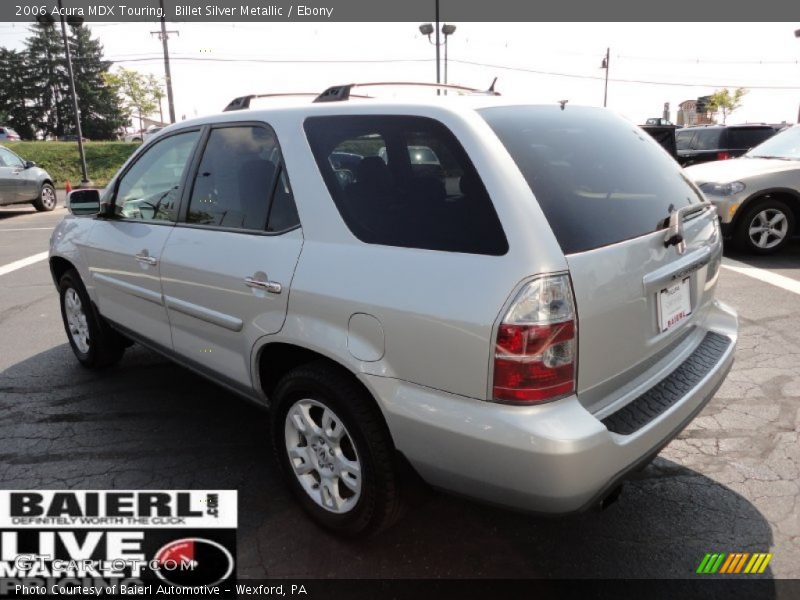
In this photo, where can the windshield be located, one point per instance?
(785, 145)
(598, 178)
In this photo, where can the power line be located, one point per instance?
(620, 80)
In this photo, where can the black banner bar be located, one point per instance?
(405, 10)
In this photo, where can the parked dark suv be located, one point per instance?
(718, 142)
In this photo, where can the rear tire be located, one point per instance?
(47, 200)
(766, 227)
(343, 467)
(95, 344)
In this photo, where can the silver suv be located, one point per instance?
(525, 324)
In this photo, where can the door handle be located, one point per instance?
(147, 259)
(273, 287)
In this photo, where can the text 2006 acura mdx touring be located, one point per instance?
(525, 320)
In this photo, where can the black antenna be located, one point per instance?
(491, 87)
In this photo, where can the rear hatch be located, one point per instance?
(608, 190)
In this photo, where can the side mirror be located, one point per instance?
(83, 203)
(29, 164)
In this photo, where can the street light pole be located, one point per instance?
(797, 35)
(85, 181)
(447, 31)
(605, 65)
(438, 79)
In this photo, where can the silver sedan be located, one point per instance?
(22, 182)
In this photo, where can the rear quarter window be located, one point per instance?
(405, 181)
(598, 178)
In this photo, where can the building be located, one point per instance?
(687, 115)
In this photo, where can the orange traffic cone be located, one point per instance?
(67, 187)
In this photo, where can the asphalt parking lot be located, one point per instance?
(730, 482)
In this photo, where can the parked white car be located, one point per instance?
(142, 136)
(527, 334)
(758, 195)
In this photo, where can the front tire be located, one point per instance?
(93, 341)
(335, 451)
(47, 198)
(766, 227)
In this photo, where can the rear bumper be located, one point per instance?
(554, 458)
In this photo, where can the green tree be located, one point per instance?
(726, 102)
(46, 81)
(13, 105)
(42, 93)
(136, 91)
(157, 88)
(102, 112)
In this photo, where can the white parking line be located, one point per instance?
(23, 262)
(781, 281)
(27, 229)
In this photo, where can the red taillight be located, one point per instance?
(535, 353)
(723, 156)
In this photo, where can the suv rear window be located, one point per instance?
(598, 178)
(405, 181)
(745, 138)
(707, 139)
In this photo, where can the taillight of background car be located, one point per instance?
(536, 347)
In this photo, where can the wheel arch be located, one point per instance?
(788, 195)
(58, 266)
(274, 359)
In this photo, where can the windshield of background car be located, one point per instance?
(786, 145)
(598, 178)
(683, 139)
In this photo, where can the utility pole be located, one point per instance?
(605, 65)
(84, 172)
(163, 35)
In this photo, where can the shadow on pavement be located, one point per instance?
(785, 261)
(23, 209)
(149, 424)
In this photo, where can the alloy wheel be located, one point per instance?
(76, 320)
(48, 197)
(322, 456)
(768, 228)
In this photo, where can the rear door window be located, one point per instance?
(747, 137)
(598, 178)
(405, 181)
(241, 182)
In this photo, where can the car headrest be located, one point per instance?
(373, 172)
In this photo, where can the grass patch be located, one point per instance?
(62, 161)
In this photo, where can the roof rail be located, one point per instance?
(243, 102)
(339, 93)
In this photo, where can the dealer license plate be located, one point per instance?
(674, 304)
